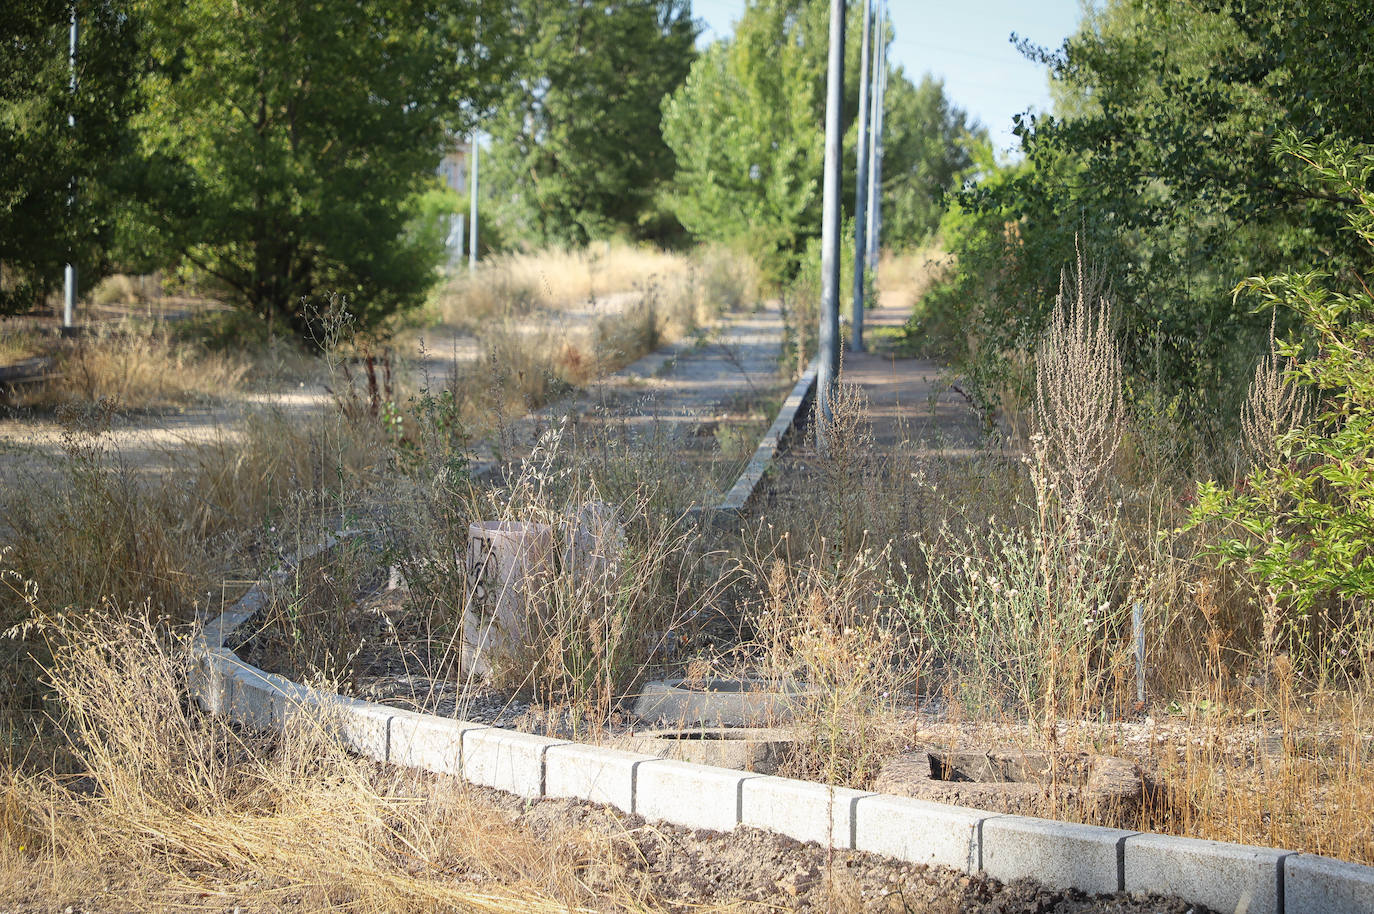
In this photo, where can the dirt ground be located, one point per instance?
(757, 871)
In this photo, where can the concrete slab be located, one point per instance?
(801, 810)
(920, 832)
(1225, 877)
(1312, 883)
(695, 796)
(593, 773)
(1059, 854)
(509, 761)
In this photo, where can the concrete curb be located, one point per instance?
(1225, 877)
(792, 412)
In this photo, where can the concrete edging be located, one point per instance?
(1226, 877)
(790, 414)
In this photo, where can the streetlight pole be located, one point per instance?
(856, 316)
(829, 357)
(472, 208)
(69, 293)
(875, 149)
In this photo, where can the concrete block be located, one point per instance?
(1225, 877)
(427, 742)
(363, 726)
(919, 831)
(506, 760)
(210, 679)
(801, 810)
(251, 697)
(696, 796)
(593, 773)
(1321, 884)
(1059, 854)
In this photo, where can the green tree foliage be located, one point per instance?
(42, 159)
(930, 148)
(748, 131)
(1159, 159)
(1303, 521)
(290, 141)
(577, 150)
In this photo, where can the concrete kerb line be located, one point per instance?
(1223, 876)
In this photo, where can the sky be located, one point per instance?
(963, 41)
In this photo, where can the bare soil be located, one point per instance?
(758, 871)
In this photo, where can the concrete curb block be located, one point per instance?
(801, 810)
(792, 411)
(919, 831)
(1059, 854)
(1226, 877)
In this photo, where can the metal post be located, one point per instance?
(875, 212)
(472, 206)
(69, 295)
(856, 315)
(1138, 621)
(829, 370)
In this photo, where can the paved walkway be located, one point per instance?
(912, 403)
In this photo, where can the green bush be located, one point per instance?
(1302, 521)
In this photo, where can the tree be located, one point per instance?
(1159, 160)
(290, 141)
(929, 148)
(577, 148)
(747, 130)
(59, 197)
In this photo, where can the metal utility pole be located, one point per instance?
(472, 208)
(875, 151)
(829, 356)
(69, 296)
(856, 315)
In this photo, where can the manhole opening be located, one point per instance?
(985, 768)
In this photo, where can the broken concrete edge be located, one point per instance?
(1222, 876)
(790, 415)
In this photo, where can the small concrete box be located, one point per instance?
(801, 810)
(920, 832)
(696, 796)
(1321, 884)
(1225, 877)
(1059, 854)
(593, 773)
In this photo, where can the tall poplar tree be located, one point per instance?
(577, 149)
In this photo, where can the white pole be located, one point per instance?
(873, 188)
(472, 235)
(829, 338)
(69, 294)
(856, 313)
(879, 118)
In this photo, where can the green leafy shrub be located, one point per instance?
(1302, 521)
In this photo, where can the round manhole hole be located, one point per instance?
(1019, 782)
(759, 749)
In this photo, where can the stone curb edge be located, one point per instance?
(1225, 877)
(792, 412)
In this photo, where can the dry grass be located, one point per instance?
(174, 809)
(545, 323)
(139, 367)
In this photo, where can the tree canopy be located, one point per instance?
(1159, 159)
(58, 184)
(577, 149)
(290, 140)
(748, 131)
